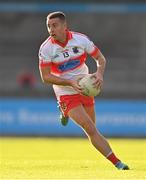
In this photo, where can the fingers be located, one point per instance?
(79, 90)
(98, 82)
(77, 87)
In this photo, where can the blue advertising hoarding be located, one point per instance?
(41, 117)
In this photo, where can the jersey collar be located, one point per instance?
(68, 37)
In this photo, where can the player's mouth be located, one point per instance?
(53, 35)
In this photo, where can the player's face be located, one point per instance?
(56, 28)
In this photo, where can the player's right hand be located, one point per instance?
(76, 86)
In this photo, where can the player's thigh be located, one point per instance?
(80, 116)
(90, 110)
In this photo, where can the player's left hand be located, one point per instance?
(98, 79)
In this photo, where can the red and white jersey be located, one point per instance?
(67, 60)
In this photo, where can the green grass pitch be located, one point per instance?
(69, 158)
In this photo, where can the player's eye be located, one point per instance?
(54, 25)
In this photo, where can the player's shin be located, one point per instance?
(102, 145)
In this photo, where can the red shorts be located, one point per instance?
(67, 102)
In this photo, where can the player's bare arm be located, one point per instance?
(101, 63)
(49, 78)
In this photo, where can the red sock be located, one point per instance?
(111, 157)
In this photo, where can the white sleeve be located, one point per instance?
(44, 58)
(43, 54)
(90, 47)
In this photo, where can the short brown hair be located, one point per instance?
(57, 14)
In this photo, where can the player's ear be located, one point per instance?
(47, 27)
(65, 25)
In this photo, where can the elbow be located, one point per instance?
(101, 61)
(45, 80)
(104, 60)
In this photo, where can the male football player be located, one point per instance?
(62, 60)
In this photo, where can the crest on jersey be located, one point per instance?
(75, 50)
(63, 106)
